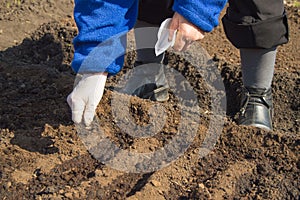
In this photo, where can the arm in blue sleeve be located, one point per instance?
(202, 13)
(101, 41)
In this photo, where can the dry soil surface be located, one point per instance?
(43, 157)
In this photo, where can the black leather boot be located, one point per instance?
(256, 108)
(152, 92)
(155, 88)
(148, 81)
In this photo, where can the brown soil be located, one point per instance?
(42, 156)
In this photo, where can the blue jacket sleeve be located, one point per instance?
(101, 41)
(202, 13)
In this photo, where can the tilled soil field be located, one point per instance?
(42, 155)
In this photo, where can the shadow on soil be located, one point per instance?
(34, 85)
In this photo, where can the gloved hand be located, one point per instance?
(85, 97)
(186, 32)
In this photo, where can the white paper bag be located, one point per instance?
(163, 42)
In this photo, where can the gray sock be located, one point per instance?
(146, 37)
(258, 67)
(148, 76)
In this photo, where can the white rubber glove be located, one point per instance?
(86, 96)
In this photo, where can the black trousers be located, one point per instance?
(256, 23)
(247, 23)
(155, 11)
